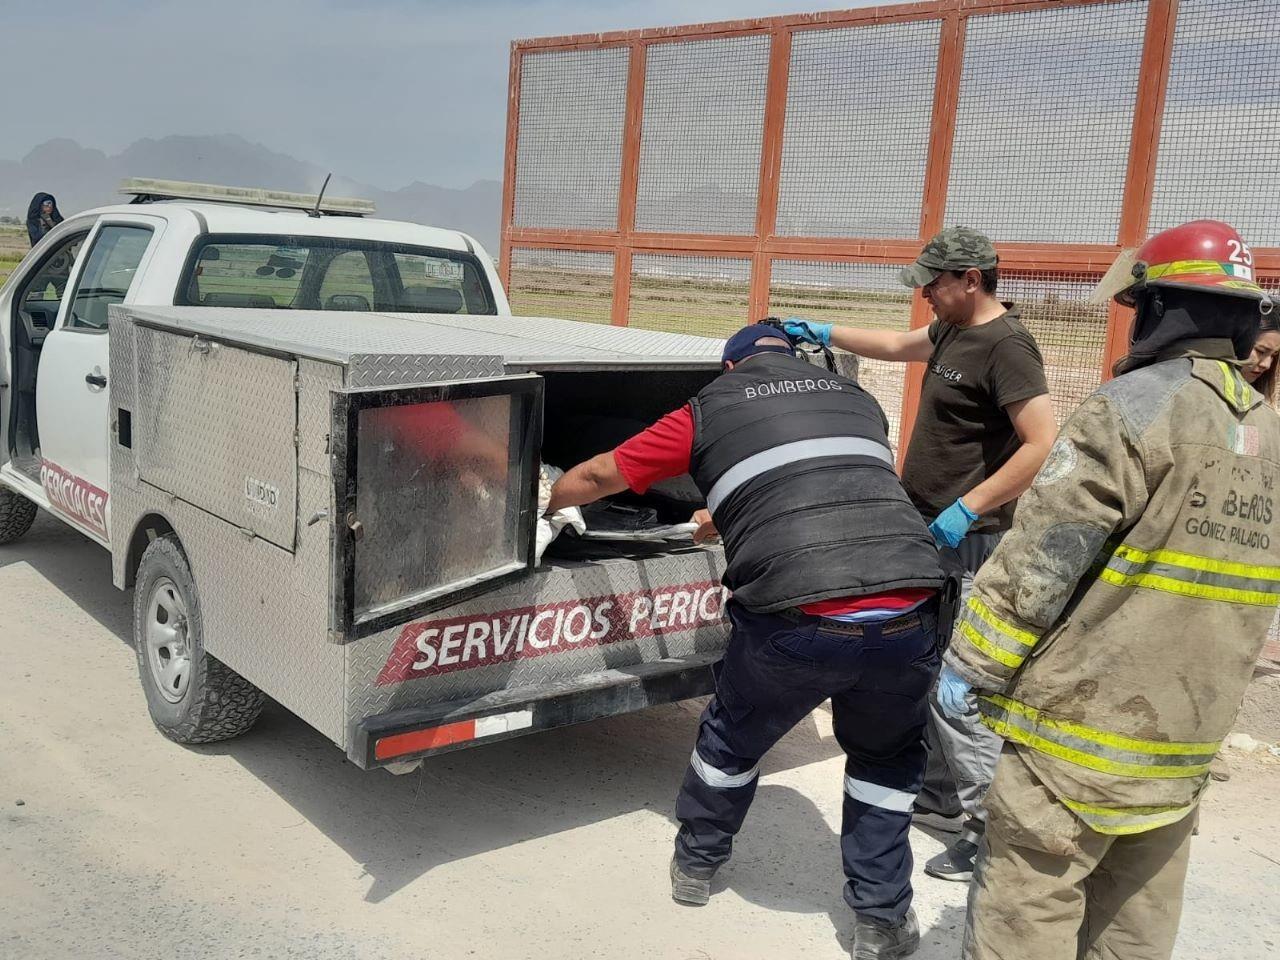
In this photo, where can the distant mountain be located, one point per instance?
(81, 177)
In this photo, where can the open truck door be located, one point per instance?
(437, 497)
(72, 397)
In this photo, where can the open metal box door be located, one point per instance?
(436, 495)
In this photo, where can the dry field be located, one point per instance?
(1071, 333)
(13, 247)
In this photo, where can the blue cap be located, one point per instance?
(745, 343)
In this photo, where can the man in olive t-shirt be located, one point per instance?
(984, 427)
(974, 375)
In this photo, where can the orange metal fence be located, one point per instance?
(694, 178)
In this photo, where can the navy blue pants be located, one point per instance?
(776, 671)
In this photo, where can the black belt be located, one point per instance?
(888, 627)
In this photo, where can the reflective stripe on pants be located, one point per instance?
(774, 674)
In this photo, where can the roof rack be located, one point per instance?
(148, 190)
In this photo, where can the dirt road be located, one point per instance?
(126, 845)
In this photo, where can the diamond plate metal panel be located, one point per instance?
(1044, 122)
(367, 659)
(390, 370)
(263, 615)
(124, 470)
(215, 426)
(440, 339)
(265, 609)
(315, 382)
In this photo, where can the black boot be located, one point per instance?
(874, 939)
(694, 891)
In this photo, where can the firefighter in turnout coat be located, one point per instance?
(1113, 632)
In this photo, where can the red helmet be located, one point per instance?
(1206, 255)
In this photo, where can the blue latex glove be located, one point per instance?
(808, 331)
(952, 691)
(952, 524)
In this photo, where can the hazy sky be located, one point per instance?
(383, 91)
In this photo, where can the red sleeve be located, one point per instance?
(658, 453)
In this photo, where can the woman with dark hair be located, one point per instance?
(1260, 368)
(42, 216)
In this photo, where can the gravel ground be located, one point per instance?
(117, 843)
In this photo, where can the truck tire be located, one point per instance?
(192, 697)
(17, 514)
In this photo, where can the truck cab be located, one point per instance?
(187, 245)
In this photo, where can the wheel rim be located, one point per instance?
(168, 645)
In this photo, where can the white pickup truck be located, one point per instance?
(312, 443)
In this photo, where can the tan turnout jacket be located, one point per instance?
(1115, 628)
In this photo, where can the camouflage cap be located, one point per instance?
(955, 248)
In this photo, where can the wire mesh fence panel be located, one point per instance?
(569, 141)
(1040, 153)
(1044, 121)
(702, 130)
(704, 296)
(1071, 332)
(856, 135)
(1219, 150)
(562, 283)
(864, 295)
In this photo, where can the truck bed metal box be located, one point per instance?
(216, 427)
(356, 497)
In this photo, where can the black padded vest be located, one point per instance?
(798, 474)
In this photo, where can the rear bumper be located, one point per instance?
(410, 734)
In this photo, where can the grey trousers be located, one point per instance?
(962, 753)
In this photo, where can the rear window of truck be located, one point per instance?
(315, 273)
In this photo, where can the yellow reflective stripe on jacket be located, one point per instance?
(1122, 821)
(1239, 393)
(1100, 750)
(998, 639)
(1190, 575)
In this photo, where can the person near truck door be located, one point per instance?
(984, 427)
(835, 583)
(42, 216)
(1114, 630)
